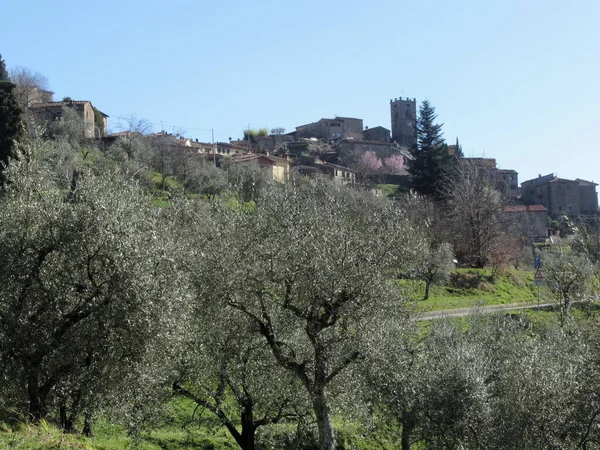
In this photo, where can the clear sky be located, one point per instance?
(515, 80)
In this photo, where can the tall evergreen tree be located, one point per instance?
(459, 151)
(431, 162)
(3, 71)
(10, 118)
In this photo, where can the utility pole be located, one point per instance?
(212, 131)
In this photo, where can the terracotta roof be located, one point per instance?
(524, 208)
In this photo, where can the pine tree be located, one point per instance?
(10, 118)
(431, 162)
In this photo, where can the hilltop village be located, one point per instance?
(294, 290)
(345, 150)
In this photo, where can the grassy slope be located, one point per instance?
(472, 287)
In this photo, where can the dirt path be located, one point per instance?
(482, 309)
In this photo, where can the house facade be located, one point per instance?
(311, 166)
(379, 134)
(332, 129)
(279, 168)
(350, 150)
(560, 195)
(535, 217)
(50, 111)
(505, 180)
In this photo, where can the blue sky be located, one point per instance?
(518, 81)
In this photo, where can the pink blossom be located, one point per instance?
(394, 164)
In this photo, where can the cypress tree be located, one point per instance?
(10, 118)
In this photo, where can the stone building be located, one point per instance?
(561, 196)
(379, 134)
(49, 111)
(312, 166)
(34, 94)
(350, 150)
(535, 218)
(509, 179)
(278, 168)
(332, 129)
(505, 180)
(404, 121)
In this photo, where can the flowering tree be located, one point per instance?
(394, 164)
(369, 162)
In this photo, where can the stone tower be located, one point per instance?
(404, 121)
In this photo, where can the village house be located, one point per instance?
(350, 150)
(279, 168)
(534, 216)
(378, 134)
(50, 111)
(219, 148)
(561, 196)
(332, 129)
(312, 166)
(506, 180)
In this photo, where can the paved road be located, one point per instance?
(482, 309)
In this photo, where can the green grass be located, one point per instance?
(388, 189)
(170, 182)
(175, 430)
(468, 288)
(42, 437)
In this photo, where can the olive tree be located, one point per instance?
(434, 266)
(490, 383)
(567, 274)
(230, 372)
(84, 284)
(308, 268)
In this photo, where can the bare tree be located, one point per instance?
(29, 86)
(474, 205)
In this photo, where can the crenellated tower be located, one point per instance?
(404, 121)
